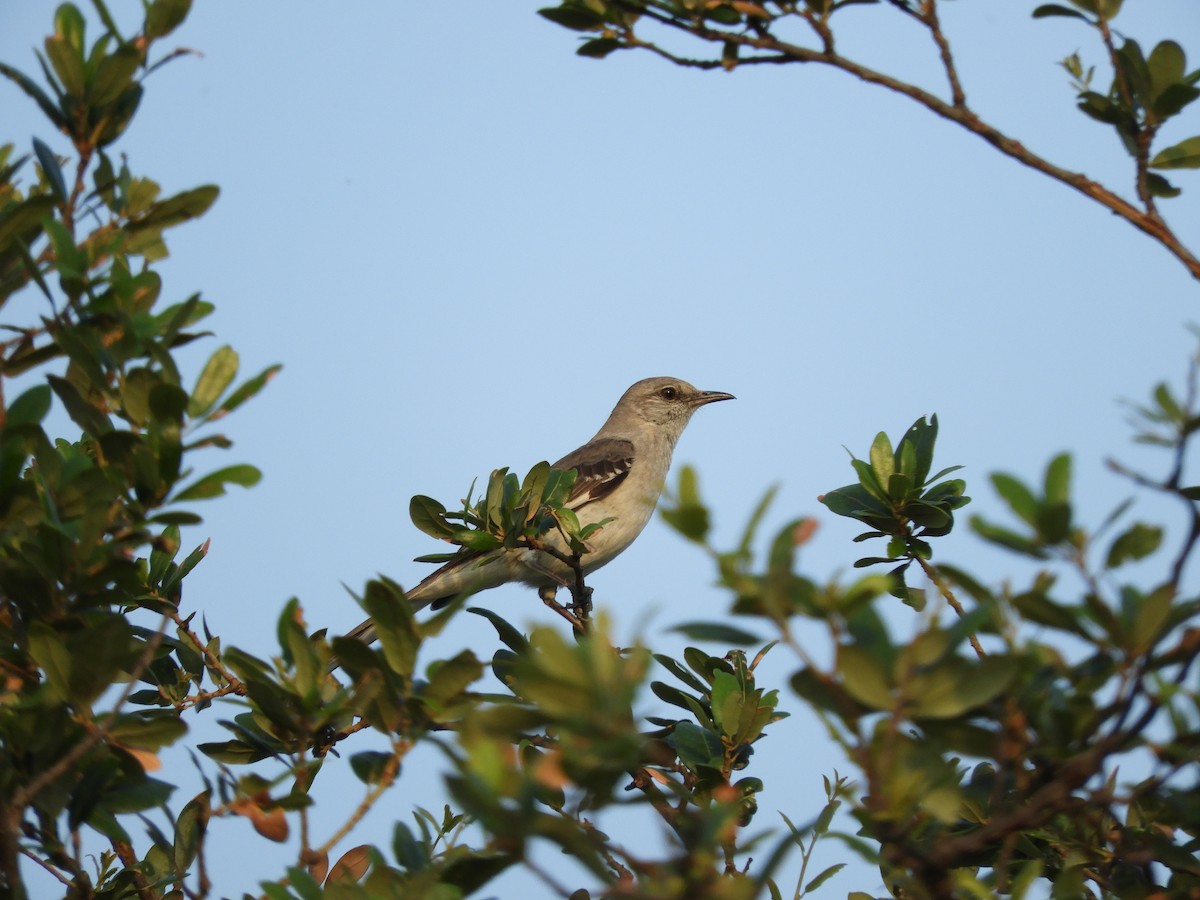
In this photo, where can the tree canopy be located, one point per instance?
(1036, 734)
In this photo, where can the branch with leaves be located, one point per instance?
(1146, 91)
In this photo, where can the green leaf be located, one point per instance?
(574, 17)
(1137, 542)
(823, 877)
(430, 517)
(1038, 608)
(69, 25)
(82, 413)
(410, 855)
(370, 766)
(598, 48)
(1018, 497)
(672, 695)
(955, 686)
(1006, 538)
(31, 87)
(697, 747)
(245, 391)
(1166, 65)
(52, 657)
(213, 484)
(863, 677)
(218, 374)
(164, 16)
(190, 562)
(174, 210)
(883, 461)
(1160, 187)
(1053, 9)
(394, 624)
(236, 753)
(717, 633)
(148, 729)
(508, 634)
(680, 672)
(449, 678)
(1152, 614)
(726, 703)
(114, 75)
(1058, 479)
(1184, 155)
(53, 172)
(189, 831)
(29, 408)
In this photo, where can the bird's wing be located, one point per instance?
(601, 466)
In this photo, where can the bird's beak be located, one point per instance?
(711, 397)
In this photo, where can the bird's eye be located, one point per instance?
(668, 393)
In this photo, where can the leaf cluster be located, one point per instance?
(98, 663)
(510, 513)
(898, 499)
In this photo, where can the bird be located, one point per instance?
(620, 474)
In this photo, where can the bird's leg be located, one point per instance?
(547, 593)
(581, 600)
(581, 595)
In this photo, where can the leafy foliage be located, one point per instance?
(1039, 733)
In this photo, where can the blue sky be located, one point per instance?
(463, 242)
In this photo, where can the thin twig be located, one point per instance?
(45, 865)
(24, 795)
(935, 576)
(929, 16)
(386, 778)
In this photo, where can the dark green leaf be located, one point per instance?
(598, 48)
(1018, 497)
(213, 484)
(29, 408)
(572, 16)
(1053, 9)
(189, 831)
(1184, 155)
(82, 413)
(30, 87)
(164, 16)
(236, 753)
(1160, 187)
(370, 766)
(449, 678)
(823, 877)
(696, 747)
(429, 516)
(1137, 542)
(508, 634)
(718, 633)
(176, 209)
(863, 677)
(1037, 607)
(49, 164)
(956, 686)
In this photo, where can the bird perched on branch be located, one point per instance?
(620, 475)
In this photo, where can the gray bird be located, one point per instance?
(621, 473)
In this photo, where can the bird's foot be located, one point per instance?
(581, 602)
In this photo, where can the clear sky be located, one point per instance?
(463, 242)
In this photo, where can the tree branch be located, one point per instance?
(778, 51)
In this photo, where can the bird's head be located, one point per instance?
(667, 402)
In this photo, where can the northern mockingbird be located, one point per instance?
(621, 473)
